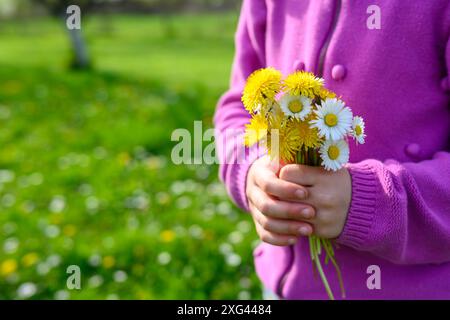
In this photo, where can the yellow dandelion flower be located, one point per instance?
(109, 262)
(256, 130)
(325, 93)
(284, 140)
(56, 219)
(261, 88)
(143, 295)
(276, 117)
(308, 137)
(124, 158)
(289, 142)
(7, 267)
(70, 230)
(167, 236)
(30, 259)
(304, 84)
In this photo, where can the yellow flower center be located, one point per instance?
(331, 120)
(333, 152)
(358, 130)
(295, 106)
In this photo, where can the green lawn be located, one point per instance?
(85, 172)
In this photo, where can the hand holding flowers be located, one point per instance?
(297, 201)
(329, 193)
(275, 205)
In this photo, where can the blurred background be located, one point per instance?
(85, 171)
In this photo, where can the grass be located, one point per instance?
(85, 172)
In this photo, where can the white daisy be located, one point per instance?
(334, 119)
(296, 106)
(334, 154)
(358, 128)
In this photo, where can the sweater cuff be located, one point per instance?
(362, 206)
(238, 187)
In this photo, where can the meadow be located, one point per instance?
(86, 177)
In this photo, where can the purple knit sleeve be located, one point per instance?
(230, 117)
(400, 212)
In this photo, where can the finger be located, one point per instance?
(285, 227)
(273, 165)
(271, 184)
(300, 174)
(279, 209)
(275, 239)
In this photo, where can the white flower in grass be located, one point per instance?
(334, 154)
(358, 128)
(26, 290)
(334, 119)
(296, 106)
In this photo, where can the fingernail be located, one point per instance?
(307, 213)
(304, 231)
(292, 241)
(301, 194)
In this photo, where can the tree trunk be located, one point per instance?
(81, 59)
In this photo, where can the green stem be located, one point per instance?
(318, 246)
(312, 252)
(322, 274)
(330, 254)
(311, 248)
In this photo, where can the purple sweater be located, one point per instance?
(397, 78)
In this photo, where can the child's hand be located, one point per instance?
(328, 192)
(278, 222)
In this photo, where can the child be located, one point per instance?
(388, 211)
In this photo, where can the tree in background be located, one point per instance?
(80, 53)
(58, 8)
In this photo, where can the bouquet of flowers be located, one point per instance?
(299, 121)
